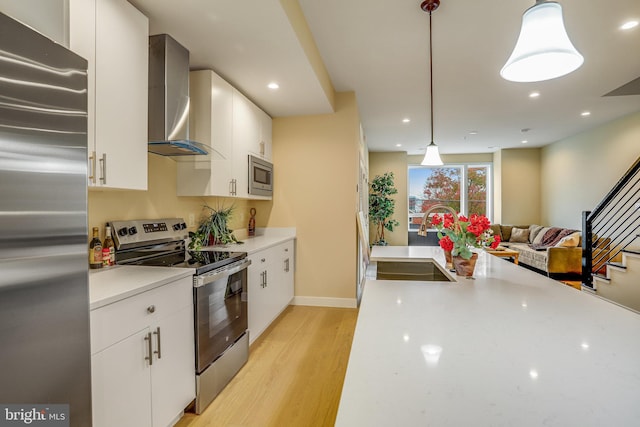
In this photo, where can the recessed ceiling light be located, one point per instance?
(585, 113)
(273, 85)
(524, 141)
(534, 94)
(473, 132)
(398, 145)
(406, 120)
(629, 25)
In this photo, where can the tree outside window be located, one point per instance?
(464, 188)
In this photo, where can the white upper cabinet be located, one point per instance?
(46, 16)
(210, 122)
(233, 127)
(113, 36)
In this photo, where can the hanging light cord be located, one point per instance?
(431, 73)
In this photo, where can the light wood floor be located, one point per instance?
(294, 374)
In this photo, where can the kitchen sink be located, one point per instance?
(423, 271)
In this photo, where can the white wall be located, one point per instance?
(577, 172)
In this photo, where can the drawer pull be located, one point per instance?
(151, 309)
(149, 348)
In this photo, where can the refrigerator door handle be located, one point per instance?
(157, 334)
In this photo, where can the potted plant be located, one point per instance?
(213, 229)
(381, 206)
(459, 234)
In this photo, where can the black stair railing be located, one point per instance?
(612, 227)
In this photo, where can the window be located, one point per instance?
(464, 188)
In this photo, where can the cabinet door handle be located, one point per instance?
(103, 168)
(149, 349)
(235, 187)
(286, 265)
(263, 260)
(92, 167)
(151, 309)
(157, 334)
(266, 280)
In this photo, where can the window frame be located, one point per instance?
(464, 187)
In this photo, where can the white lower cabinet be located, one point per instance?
(270, 286)
(143, 358)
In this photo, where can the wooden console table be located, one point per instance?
(507, 253)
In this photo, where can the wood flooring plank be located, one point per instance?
(294, 375)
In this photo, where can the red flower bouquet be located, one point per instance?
(460, 234)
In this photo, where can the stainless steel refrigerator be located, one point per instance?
(44, 297)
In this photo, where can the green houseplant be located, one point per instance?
(213, 229)
(381, 206)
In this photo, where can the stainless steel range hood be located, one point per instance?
(169, 99)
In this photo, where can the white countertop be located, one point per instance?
(108, 285)
(264, 238)
(510, 348)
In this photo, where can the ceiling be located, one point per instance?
(379, 50)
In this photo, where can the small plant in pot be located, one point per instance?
(381, 206)
(213, 229)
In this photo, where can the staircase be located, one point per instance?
(611, 243)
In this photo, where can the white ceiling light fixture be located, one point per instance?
(629, 25)
(273, 86)
(543, 50)
(432, 156)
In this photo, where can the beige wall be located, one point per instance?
(315, 178)
(579, 171)
(519, 181)
(396, 162)
(160, 201)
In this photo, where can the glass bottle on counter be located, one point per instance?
(95, 250)
(108, 249)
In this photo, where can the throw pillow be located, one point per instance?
(496, 230)
(538, 238)
(570, 241)
(534, 231)
(505, 231)
(519, 235)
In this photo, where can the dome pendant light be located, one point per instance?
(543, 50)
(432, 156)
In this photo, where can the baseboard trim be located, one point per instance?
(325, 302)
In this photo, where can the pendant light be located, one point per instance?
(432, 156)
(543, 50)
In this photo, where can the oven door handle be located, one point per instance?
(205, 279)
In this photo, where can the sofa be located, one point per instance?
(554, 251)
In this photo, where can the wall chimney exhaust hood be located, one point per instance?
(169, 99)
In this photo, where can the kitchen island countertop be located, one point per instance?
(510, 348)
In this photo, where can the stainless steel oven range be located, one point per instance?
(219, 295)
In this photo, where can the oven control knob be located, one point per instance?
(122, 231)
(183, 226)
(176, 227)
(132, 230)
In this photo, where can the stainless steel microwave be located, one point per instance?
(260, 177)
